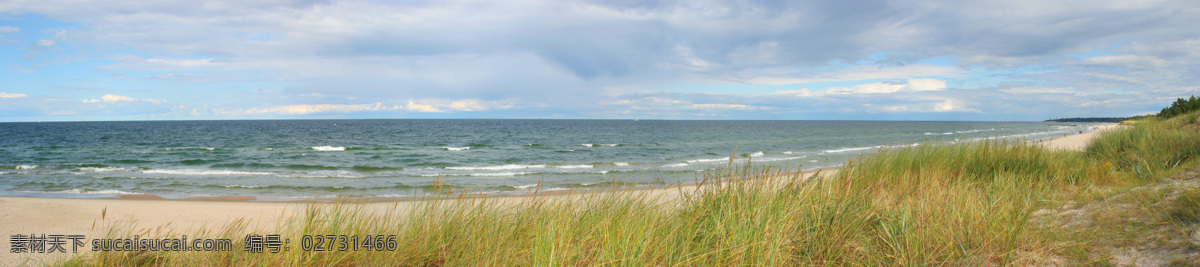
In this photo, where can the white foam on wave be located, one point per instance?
(1017, 136)
(329, 148)
(975, 131)
(94, 192)
(189, 148)
(621, 163)
(708, 160)
(610, 144)
(676, 165)
(586, 145)
(849, 149)
(202, 172)
(812, 160)
(243, 186)
(779, 159)
(787, 153)
(528, 186)
(326, 174)
(757, 154)
(498, 174)
(866, 148)
(498, 168)
(575, 167)
(105, 169)
(457, 148)
(26, 167)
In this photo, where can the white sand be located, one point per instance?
(1078, 142)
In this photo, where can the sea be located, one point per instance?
(313, 159)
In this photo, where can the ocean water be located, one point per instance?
(363, 158)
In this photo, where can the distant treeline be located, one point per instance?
(1098, 119)
(1180, 107)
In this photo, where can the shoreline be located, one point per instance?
(1071, 141)
(412, 198)
(155, 215)
(1079, 141)
(297, 170)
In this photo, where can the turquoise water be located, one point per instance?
(360, 158)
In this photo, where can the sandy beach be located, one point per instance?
(151, 215)
(1078, 141)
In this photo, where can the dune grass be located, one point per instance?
(1149, 215)
(932, 204)
(1150, 147)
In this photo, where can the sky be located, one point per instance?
(1009, 60)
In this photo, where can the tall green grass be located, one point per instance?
(932, 204)
(1151, 146)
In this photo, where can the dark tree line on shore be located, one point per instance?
(1100, 119)
(1181, 106)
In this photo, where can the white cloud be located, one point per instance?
(926, 84)
(11, 95)
(690, 61)
(322, 108)
(659, 103)
(111, 98)
(1127, 60)
(860, 73)
(998, 61)
(801, 92)
(871, 88)
(726, 106)
(1039, 90)
(421, 107)
(945, 105)
(181, 62)
(478, 105)
(426, 106)
(953, 105)
(648, 103)
(555, 55)
(467, 105)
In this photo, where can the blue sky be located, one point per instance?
(79, 60)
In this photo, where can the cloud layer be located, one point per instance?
(979, 60)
